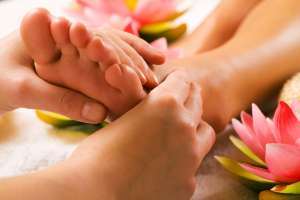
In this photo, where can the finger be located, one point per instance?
(177, 83)
(150, 54)
(194, 102)
(41, 95)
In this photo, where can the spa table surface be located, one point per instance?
(28, 145)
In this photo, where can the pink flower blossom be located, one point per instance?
(277, 142)
(127, 15)
(118, 13)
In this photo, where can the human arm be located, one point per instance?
(152, 152)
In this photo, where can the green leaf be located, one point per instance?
(287, 189)
(269, 195)
(56, 119)
(156, 28)
(253, 185)
(60, 121)
(234, 167)
(170, 35)
(243, 147)
(176, 15)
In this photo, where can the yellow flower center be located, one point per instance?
(131, 4)
(75, 6)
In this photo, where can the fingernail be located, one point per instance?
(92, 111)
(152, 76)
(158, 52)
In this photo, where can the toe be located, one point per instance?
(80, 36)
(125, 79)
(60, 27)
(36, 35)
(102, 52)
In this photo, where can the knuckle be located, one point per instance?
(190, 188)
(189, 126)
(65, 103)
(168, 100)
(207, 134)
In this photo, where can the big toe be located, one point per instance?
(36, 35)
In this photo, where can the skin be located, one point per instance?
(218, 27)
(248, 68)
(118, 162)
(73, 56)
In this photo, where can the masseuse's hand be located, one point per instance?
(20, 87)
(151, 152)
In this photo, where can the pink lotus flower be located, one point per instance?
(172, 53)
(276, 142)
(131, 16)
(122, 14)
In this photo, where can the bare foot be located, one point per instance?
(71, 55)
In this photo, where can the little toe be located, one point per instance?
(125, 79)
(80, 36)
(60, 27)
(36, 35)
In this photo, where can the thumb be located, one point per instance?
(41, 95)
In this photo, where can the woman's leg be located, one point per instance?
(250, 67)
(218, 27)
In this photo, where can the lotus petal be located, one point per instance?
(283, 160)
(261, 127)
(174, 53)
(270, 195)
(272, 129)
(130, 27)
(243, 147)
(160, 44)
(165, 11)
(264, 173)
(176, 15)
(94, 17)
(286, 124)
(249, 139)
(234, 167)
(287, 189)
(296, 107)
(117, 6)
(297, 143)
(247, 121)
(145, 10)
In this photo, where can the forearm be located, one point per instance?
(46, 184)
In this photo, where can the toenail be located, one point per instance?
(92, 111)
